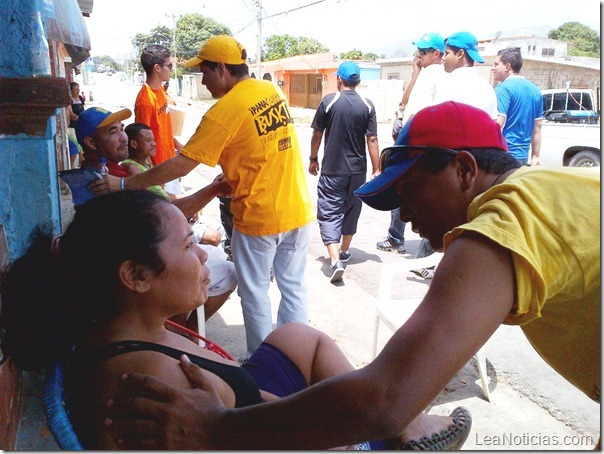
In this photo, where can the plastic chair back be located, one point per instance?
(56, 413)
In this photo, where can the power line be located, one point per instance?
(280, 14)
(295, 9)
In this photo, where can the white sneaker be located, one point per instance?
(426, 273)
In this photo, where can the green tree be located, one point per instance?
(307, 46)
(583, 41)
(160, 35)
(192, 30)
(106, 60)
(283, 46)
(356, 54)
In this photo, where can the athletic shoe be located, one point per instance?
(337, 271)
(345, 256)
(426, 273)
(391, 245)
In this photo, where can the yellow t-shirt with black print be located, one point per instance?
(549, 218)
(250, 133)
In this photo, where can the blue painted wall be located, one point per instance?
(370, 73)
(29, 190)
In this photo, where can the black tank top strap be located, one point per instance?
(243, 385)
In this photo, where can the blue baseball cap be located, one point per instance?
(445, 128)
(466, 41)
(96, 117)
(431, 41)
(349, 71)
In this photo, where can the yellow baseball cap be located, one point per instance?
(220, 49)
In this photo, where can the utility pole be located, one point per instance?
(259, 42)
(173, 16)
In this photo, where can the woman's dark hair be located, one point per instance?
(234, 70)
(491, 160)
(50, 300)
(73, 84)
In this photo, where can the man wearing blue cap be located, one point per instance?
(465, 84)
(101, 135)
(349, 121)
(426, 78)
(427, 75)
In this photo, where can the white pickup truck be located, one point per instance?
(568, 144)
(570, 134)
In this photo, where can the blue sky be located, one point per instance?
(341, 25)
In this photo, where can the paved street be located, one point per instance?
(531, 406)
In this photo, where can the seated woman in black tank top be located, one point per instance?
(98, 297)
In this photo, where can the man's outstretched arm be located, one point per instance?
(191, 204)
(169, 170)
(470, 295)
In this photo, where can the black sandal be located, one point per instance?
(451, 439)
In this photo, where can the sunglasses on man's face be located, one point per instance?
(393, 155)
(425, 51)
(169, 65)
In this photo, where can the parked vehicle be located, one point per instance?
(570, 134)
(570, 106)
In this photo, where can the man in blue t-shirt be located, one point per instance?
(519, 107)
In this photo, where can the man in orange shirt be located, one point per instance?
(152, 107)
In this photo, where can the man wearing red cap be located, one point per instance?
(513, 254)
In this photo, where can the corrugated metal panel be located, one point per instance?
(63, 22)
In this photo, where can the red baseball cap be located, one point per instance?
(449, 126)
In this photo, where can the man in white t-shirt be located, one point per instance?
(426, 78)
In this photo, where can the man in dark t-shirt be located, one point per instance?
(349, 122)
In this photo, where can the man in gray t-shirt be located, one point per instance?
(349, 122)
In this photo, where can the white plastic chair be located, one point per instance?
(395, 312)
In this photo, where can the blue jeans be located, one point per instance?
(424, 249)
(253, 257)
(396, 231)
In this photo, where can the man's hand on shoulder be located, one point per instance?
(148, 413)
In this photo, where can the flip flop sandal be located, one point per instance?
(451, 439)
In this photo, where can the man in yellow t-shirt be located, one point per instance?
(521, 246)
(251, 134)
